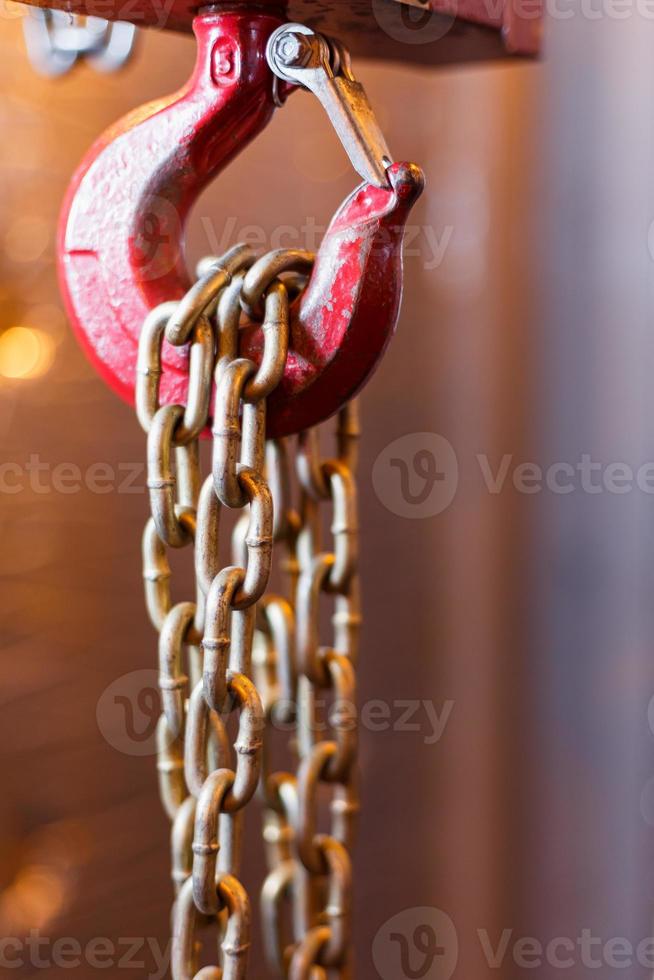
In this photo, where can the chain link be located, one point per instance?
(306, 899)
(239, 651)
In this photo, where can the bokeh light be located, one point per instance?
(25, 353)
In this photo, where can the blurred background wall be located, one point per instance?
(481, 813)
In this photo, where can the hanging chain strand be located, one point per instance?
(309, 880)
(239, 650)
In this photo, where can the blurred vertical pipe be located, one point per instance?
(485, 389)
(439, 592)
(587, 843)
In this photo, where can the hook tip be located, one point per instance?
(407, 181)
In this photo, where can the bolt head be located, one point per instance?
(294, 50)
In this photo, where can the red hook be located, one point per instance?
(121, 234)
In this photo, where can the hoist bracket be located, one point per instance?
(433, 32)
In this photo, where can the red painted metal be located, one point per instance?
(349, 311)
(121, 234)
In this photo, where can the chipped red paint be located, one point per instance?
(349, 311)
(121, 234)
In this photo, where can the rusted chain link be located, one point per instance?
(234, 649)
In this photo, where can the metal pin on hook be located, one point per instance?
(297, 54)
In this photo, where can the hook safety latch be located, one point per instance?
(300, 56)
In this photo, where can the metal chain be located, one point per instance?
(237, 650)
(306, 899)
